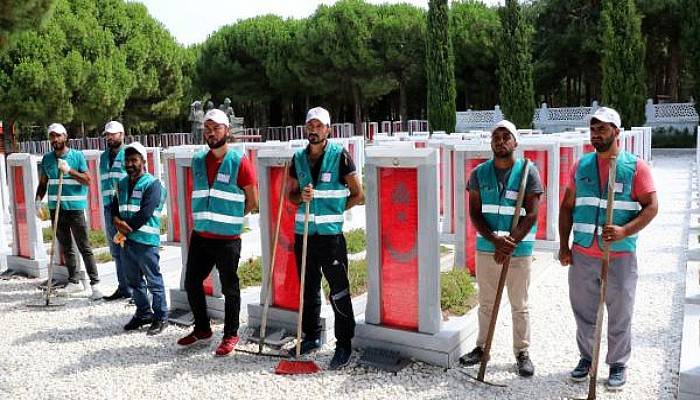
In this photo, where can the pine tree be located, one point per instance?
(515, 66)
(623, 50)
(690, 42)
(442, 112)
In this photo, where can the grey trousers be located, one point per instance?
(584, 292)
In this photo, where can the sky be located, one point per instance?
(192, 21)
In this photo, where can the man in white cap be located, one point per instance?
(73, 167)
(135, 213)
(324, 175)
(111, 172)
(493, 189)
(224, 192)
(583, 212)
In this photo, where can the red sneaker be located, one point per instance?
(194, 337)
(227, 346)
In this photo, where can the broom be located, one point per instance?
(297, 367)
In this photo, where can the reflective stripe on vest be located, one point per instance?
(218, 209)
(591, 201)
(74, 194)
(148, 233)
(110, 176)
(330, 195)
(498, 207)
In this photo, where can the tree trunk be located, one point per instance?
(673, 71)
(358, 108)
(403, 105)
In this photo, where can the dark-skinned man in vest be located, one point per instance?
(493, 189)
(71, 218)
(583, 212)
(111, 172)
(136, 212)
(224, 192)
(323, 174)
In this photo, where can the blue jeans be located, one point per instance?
(116, 251)
(142, 261)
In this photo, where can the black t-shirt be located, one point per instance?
(346, 167)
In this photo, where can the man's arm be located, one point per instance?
(82, 177)
(149, 202)
(251, 198)
(357, 195)
(650, 207)
(565, 223)
(531, 205)
(118, 223)
(293, 190)
(504, 244)
(41, 189)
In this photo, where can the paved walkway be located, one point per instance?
(80, 351)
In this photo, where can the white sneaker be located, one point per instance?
(96, 292)
(71, 289)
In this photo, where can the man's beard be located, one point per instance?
(114, 144)
(58, 145)
(603, 146)
(133, 171)
(217, 144)
(315, 138)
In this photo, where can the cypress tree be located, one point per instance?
(517, 93)
(442, 112)
(622, 54)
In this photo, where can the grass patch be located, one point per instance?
(103, 257)
(96, 238)
(357, 274)
(457, 292)
(163, 224)
(356, 240)
(250, 272)
(444, 250)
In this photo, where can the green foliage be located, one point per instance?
(457, 292)
(691, 44)
(20, 15)
(623, 60)
(103, 257)
(356, 240)
(96, 238)
(163, 224)
(440, 69)
(93, 61)
(474, 28)
(250, 272)
(673, 138)
(515, 66)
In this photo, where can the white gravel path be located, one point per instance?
(81, 352)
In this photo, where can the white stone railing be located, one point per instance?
(675, 115)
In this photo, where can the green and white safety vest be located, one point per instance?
(110, 175)
(591, 201)
(218, 209)
(74, 193)
(148, 233)
(330, 195)
(498, 207)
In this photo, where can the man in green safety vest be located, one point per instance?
(71, 219)
(224, 191)
(324, 175)
(493, 189)
(583, 212)
(111, 172)
(136, 211)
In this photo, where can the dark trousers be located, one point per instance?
(327, 255)
(142, 261)
(203, 254)
(73, 221)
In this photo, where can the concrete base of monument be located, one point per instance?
(547, 245)
(278, 318)
(24, 266)
(216, 306)
(456, 337)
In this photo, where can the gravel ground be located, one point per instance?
(81, 352)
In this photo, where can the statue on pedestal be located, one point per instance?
(197, 118)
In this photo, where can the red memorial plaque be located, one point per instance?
(470, 235)
(398, 230)
(21, 224)
(151, 164)
(94, 196)
(566, 162)
(540, 158)
(173, 205)
(285, 279)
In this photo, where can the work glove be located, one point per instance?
(40, 210)
(119, 239)
(63, 166)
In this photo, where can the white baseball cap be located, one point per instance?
(509, 126)
(217, 116)
(138, 147)
(606, 114)
(113, 127)
(319, 113)
(57, 128)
